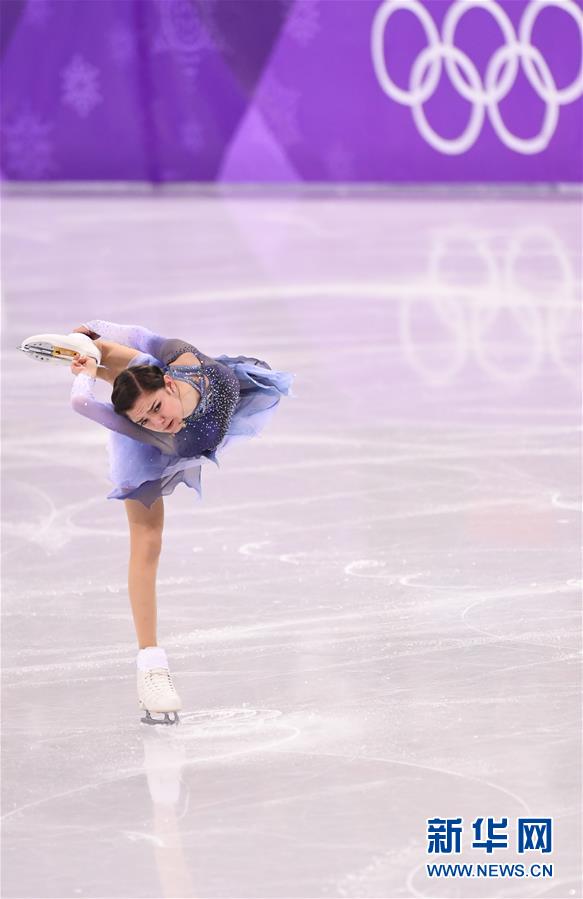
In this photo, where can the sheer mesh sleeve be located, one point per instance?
(129, 335)
(141, 339)
(83, 401)
(172, 348)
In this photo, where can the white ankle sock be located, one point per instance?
(152, 657)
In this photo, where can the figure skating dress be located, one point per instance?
(238, 395)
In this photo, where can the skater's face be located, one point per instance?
(159, 410)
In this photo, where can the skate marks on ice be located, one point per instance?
(340, 813)
(173, 801)
(397, 867)
(222, 733)
(377, 800)
(206, 735)
(400, 570)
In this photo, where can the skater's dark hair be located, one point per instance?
(132, 382)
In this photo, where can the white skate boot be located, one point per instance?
(156, 691)
(59, 348)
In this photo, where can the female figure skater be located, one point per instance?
(173, 408)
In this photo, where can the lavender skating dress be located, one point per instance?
(238, 395)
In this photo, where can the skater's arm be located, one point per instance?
(165, 349)
(83, 401)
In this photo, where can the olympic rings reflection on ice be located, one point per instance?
(469, 313)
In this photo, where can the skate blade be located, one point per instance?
(49, 351)
(45, 352)
(166, 720)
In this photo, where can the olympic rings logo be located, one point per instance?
(499, 78)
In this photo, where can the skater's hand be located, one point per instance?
(84, 365)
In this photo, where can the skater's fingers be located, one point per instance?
(79, 363)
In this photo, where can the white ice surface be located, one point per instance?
(372, 617)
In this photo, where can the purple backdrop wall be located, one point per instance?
(292, 90)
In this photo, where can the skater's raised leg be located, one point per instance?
(114, 356)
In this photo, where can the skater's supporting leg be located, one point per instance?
(145, 545)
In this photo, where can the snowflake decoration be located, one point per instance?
(180, 24)
(191, 136)
(28, 149)
(182, 34)
(121, 45)
(81, 86)
(279, 105)
(304, 22)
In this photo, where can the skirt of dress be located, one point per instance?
(142, 472)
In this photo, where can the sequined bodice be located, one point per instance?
(218, 387)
